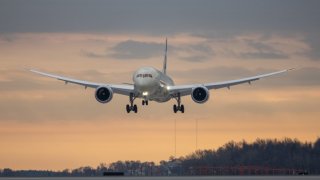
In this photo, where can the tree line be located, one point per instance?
(270, 153)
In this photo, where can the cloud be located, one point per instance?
(149, 17)
(195, 58)
(93, 54)
(263, 55)
(7, 38)
(129, 49)
(198, 52)
(262, 50)
(257, 46)
(303, 77)
(17, 80)
(313, 40)
(132, 49)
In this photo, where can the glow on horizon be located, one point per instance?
(47, 125)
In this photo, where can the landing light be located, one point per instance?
(145, 93)
(168, 87)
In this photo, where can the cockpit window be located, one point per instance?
(144, 75)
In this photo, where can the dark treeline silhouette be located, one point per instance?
(286, 154)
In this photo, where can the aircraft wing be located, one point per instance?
(119, 89)
(187, 89)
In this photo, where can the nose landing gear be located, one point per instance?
(132, 107)
(179, 107)
(145, 102)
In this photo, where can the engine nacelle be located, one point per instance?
(103, 94)
(200, 94)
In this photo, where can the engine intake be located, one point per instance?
(103, 94)
(200, 94)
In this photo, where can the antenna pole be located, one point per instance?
(196, 134)
(175, 137)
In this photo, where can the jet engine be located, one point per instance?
(103, 94)
(200, 94)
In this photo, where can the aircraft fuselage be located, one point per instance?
(151, 84)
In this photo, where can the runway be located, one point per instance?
(175, 178)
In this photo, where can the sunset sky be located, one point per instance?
(45, 124)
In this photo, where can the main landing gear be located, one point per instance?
(179, 107)
(131, 107)
(145, 102)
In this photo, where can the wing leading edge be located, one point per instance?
(187, 89)
(119, 89)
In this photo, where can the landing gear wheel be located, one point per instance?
(182, 108)
(175, 108)
(128, 108)
(135, 108)
(147, 102)
(179, 106)
(143, 102)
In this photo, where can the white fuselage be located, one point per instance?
(151, 84)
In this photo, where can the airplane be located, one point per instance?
(151, 84)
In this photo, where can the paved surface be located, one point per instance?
(178, 178)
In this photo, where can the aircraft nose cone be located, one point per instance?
(144, 84)
(145, 81)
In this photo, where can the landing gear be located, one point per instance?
(131, 107)
(179, 107)
(144, 102)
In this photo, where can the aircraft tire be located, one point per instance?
(182, 108)
(128, 108)
(175, 109)
(135, 108)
